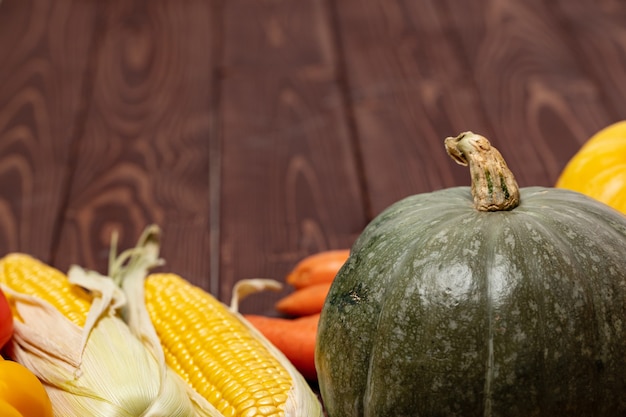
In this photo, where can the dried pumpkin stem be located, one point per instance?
(493, 185)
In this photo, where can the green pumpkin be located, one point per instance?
(489, 301)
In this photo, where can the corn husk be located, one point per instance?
(302, 401)
(101, 369)
(129, 270)
(245, 287)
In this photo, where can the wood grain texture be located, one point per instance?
(540, 102)
(409, 91)
(256, 132)
(144, 155)
(289, 184)
(422, 71)
(597, 32)
(42, 66)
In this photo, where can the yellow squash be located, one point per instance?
(598, 169)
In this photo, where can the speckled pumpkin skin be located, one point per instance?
(442, 310)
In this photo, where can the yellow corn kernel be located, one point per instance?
(214, 351)
(27, 275)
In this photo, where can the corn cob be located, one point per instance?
(220, 356)
(99, 368)
(234, 371)
(213, 348)
(26, 275)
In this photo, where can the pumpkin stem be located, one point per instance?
(493, 185)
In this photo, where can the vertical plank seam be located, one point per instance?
(79, 126)
(343, 82)
(215, 149)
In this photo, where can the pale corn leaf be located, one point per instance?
(33, 332)
(113, 374)
(246, 287)
(129, 271)
(107, 296)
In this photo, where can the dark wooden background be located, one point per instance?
(256, 132)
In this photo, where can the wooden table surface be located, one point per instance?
(256, 132)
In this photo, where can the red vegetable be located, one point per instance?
(6, 320)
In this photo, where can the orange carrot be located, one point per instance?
(304, 301)
(317, 268)
(294, 337)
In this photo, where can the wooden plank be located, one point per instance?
(420, 71)
(43, 64)
(541, 102)
(144, 153)
(290, 183)
(408, 91)
(597, 33)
